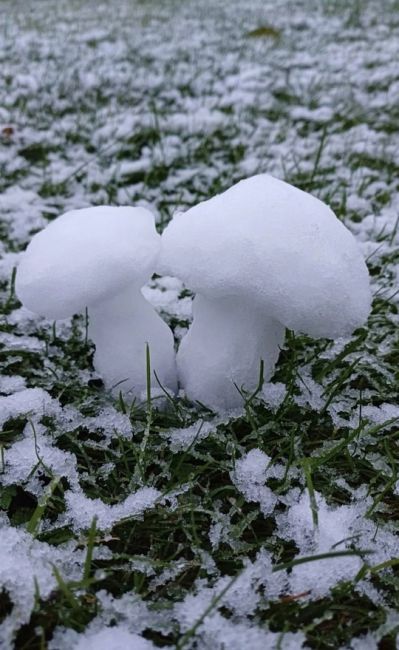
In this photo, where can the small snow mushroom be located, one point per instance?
(100, 258)
(261, 257)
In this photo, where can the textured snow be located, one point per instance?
(81, 510)
(250, 475)
(382, 413)
(274, 394)
(12, 384)
(31, 402)
(165, 295)
(334, 528)
(117, 637)
(126, 617)
(13, 342)
(181, 439)
(365, 642)
(33, 450)
(22, 209)
(241, 597)
(338, 528)
(164, 105)
(24, 560)
(109, 421)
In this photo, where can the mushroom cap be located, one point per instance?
(85, 256)
(278, 246)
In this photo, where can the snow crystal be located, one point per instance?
(23, 560)
(335, 525)
(365, 642)
(274, 394)
(128, 615)
(8, 262)
(381, 414)
(220, 531)
(32, 402)
(25, 319)
(220, 633)
(28, 343)
(22, 210)
(170, 573)
(81, 510)
(201, 119)
(116, 637)
(181, 439)
(165, 298)
(311, 393)
(322, 114)
(249, 476)
(11, 384)
(35, 449)
(109, 421)
(217, 632)
(338, 529)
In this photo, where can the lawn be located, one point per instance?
(161, 524)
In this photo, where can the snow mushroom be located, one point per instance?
(100, 258)
(261, 257)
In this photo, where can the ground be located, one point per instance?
(164, 524)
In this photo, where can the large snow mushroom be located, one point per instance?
(261, 257)
(99, 258)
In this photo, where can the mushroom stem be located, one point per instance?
(121, 327)
(223, 350)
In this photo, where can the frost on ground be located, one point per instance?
(169, 526)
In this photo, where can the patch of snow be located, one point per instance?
(81, 510)
(36, 450)
(33, 403)
(116, 637)
(24, 560)
(182, 439)
(250, 475)
(22, 210)
(274, 394)
(10, 384)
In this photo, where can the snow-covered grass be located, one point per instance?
(275, 527)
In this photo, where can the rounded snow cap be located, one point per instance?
(269, 242)
(86, 256)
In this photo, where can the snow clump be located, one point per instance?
(99, 258)
(261, 257)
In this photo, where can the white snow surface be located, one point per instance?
(262, 256)
(250, 475)
(266, 241)
(163, 106)
(81, 510)
(117, 637)
(23, 560)
(337, 528)
(98, 258)
(214, 367)
(86, 256)
(30, 402)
